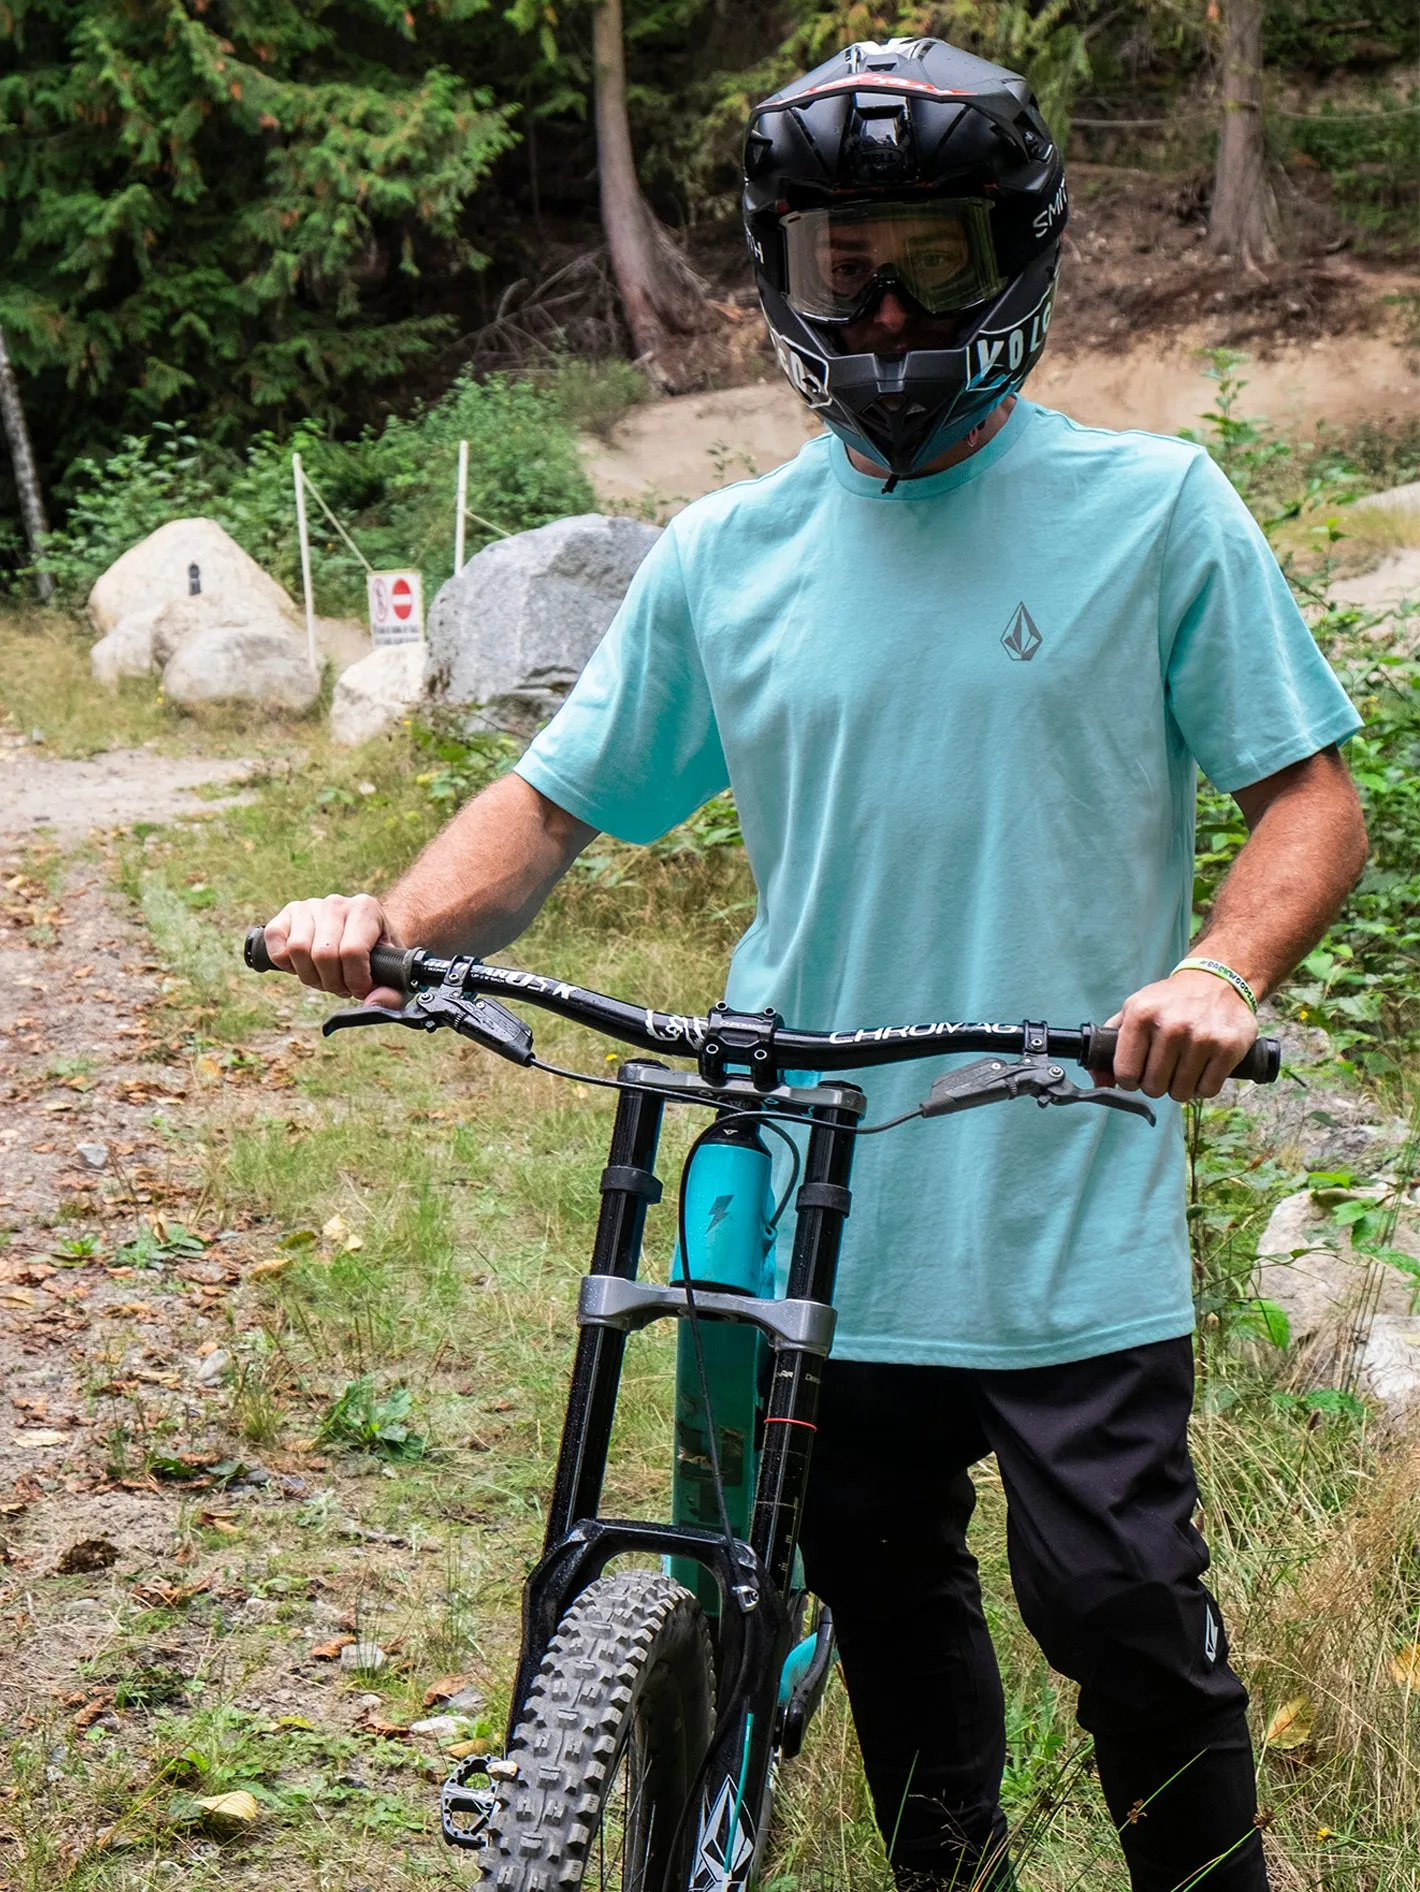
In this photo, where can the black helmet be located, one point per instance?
(916, 166)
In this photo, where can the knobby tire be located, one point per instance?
(609, 1746)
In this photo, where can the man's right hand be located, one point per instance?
(326, 943)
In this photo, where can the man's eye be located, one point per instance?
(843, 273)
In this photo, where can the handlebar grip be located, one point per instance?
(389, 965)
(254, 953)
(1262, 1064)
(393, 965)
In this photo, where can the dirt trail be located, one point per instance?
(122, 1473)
(42, 793)
(672, 451)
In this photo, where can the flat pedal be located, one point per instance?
(466, 1809)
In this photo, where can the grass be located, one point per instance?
(429, 1213)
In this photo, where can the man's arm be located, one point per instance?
(1305, 851)
(476, 886)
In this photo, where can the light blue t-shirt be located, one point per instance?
(961, 722)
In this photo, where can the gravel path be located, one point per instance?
(45, 795)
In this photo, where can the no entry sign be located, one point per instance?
(396, 607)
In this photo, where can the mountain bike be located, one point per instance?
(651, 1709)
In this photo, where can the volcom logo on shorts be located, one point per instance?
(1021, 639)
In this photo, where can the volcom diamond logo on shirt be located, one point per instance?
(1020, 638)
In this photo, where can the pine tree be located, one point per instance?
(217, 208)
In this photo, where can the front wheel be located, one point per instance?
(609, 1747)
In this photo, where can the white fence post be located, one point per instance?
(307, 588)
(460, 507)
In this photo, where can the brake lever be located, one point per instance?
(375, 1015)
(998, 1080)
(473, 1016)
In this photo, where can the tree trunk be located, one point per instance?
(22, 459)
(661, 296)
(1244, 219)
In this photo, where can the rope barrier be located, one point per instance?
(478, 519)
(334, 521)
(1299, 118)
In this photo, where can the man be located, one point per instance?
(957, 661)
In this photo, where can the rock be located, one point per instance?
(92, 1155)
(241, 664)
(211, 1370)
(372, 695)
(439, 1727)
(185, 617)
(157, 572)
(127, 651)
(467, 1701)
(341, 641)
(1400, 499)
(1351, 1317)
(260, 1610)
(366, 1657)
(518, 623)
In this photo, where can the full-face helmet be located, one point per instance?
(912, 167)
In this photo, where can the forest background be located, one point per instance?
(245, 219)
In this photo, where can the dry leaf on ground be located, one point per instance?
(230, 1812)
(1291, 1726)
(460, 1750)
(156, 1593)
(1405, 1666)
(90, 1553)
(447, 1686)
(264, 1270)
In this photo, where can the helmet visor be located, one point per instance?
(841, 260)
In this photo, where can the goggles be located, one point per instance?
(842, 260)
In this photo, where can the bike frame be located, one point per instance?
(770, 1674)
(742, 1564)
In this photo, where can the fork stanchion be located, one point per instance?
(822, 1207)
(596, 1370)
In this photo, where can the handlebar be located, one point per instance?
(412, 970)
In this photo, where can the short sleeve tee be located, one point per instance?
(962, 721)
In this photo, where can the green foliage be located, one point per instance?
(1372, 158)
(393, 490)
(162, 1242)
(1245, 448)
(593, 396)
(1319, 36)
(220, 212)
(361, 1418)
(466, 763)
(123, 497)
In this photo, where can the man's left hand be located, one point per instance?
(1184, 1036)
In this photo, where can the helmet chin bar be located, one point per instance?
(894, 427)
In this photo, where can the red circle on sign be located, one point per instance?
(402, 598)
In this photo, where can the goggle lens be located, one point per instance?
(841, 260)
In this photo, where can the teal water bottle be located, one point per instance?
(729, 1205)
